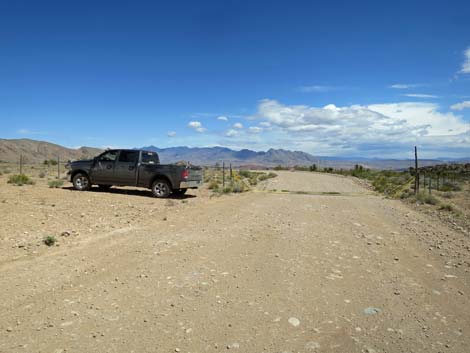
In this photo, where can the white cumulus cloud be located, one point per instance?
(377, 128)
(231, 133)
(197, 126)
(460, 106)
(255, 129)
(238, 126)
(222, 118)
(465, 69)
(171, 133)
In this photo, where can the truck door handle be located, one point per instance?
(109, 166)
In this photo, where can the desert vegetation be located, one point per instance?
(237, 181)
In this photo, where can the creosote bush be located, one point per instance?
(55, 183)
(42, 174)
(449, 186)
(50, 240)
(446, 207)
(427, 199)
(20, 179)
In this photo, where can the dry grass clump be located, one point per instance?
(53, 184)
(20, 180)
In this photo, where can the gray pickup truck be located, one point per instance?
(134, 168)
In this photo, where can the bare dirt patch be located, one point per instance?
(247, 272)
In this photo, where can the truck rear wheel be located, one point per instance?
(81, 182)
(161, 188)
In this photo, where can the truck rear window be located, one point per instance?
(149, 158)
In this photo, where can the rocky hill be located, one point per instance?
(37, 151)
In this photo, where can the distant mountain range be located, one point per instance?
(37, 151)
(274, 157)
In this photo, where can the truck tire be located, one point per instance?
(81, 182)
(161, 188)
(179, 191)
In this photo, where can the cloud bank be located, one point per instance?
(369, 130)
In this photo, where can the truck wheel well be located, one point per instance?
(162, 177)
(75, 172)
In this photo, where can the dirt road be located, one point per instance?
(265, 271)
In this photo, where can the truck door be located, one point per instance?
(102, 171)
(125, 171)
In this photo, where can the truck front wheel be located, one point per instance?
(161, 188)
(81, 182)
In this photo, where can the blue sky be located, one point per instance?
(348, 78)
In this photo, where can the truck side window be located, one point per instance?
(128, 156)
(149, 158)
(108, 156)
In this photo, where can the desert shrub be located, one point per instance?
(406, 194)
(213, 184)
(20, 179)
(446, 207)
(55, 183)
(50, 240)
(244, 173)
(6, 171)
(427, 199)
(447, 195)
(449, 186)
(267, 176)
(50, 162)
(1, 172)
(42, 175)
(238, 187)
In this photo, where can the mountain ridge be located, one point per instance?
(35, 151)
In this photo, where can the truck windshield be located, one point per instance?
(149, 157)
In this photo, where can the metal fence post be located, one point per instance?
(416, 172)
(223, 174)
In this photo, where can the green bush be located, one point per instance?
(449, 186)
(55, 183)
(50, 162)
(446, 207)
(213, 185)
(238, 187)
(267, 176)
(427, 199)
(447, 195)
(244, 173)
(49, 240)
(20, 179)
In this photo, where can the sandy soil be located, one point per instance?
(256, 272)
